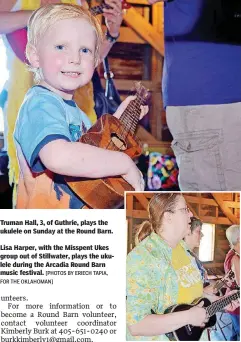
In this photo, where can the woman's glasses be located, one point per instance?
(186, 210)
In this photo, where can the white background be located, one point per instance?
(74, 289)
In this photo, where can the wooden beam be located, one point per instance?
(156, 96)
(232, 204)
(134, 20)
(214, 220)
(143, 214)
(129, 234)
(225, 209)
(200, 200)
(127, 35)
(192, 199)
(213, 264)
(192, 209)
(129, 201)
(140, 214)
(142, 199)
(220, 253)
(144, 136)
(156, 76)
(146, 13)
(148, 194)
(158, 18)
(209, 201)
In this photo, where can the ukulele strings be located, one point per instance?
(119, 131)
(122, 125)
(128, 119)
(221, 303)
(134, 106)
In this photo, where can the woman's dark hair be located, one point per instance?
(158, 205)
(195, 222)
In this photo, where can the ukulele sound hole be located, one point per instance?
(118, 142)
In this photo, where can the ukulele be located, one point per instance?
(18, 39)
(117, 135)
(193, 333)
(229, 277)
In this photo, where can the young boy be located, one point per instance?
(63, 50)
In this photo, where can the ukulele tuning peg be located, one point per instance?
(137, 85)
(147, 94)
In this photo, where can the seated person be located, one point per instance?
(232, 262)
(193, 239)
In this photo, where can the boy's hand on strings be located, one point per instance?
(124, 104)
(144, 111)
(113, 16)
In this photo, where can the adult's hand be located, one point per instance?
(234, 304)
(113, 16)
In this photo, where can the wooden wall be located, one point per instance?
(138, 55)
(221, 248)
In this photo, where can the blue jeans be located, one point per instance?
(236, 328)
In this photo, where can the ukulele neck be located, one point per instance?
(130, 116)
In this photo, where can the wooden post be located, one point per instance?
(147, 62)
(144, 29)
(157, 65)
(129, 210)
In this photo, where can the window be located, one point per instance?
(206, 249)
(4, 75)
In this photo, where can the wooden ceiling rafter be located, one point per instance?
(139, 214)
(215, 220)
(224, 207)
(147, 32)
(203, 214)
(192, 209)
(142, 200)
(201, 200)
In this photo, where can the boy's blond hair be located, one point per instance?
(42, 19)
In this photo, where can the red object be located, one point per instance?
(125, 4)
(18, 42)
(227, 268)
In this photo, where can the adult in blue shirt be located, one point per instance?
(202, 91)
